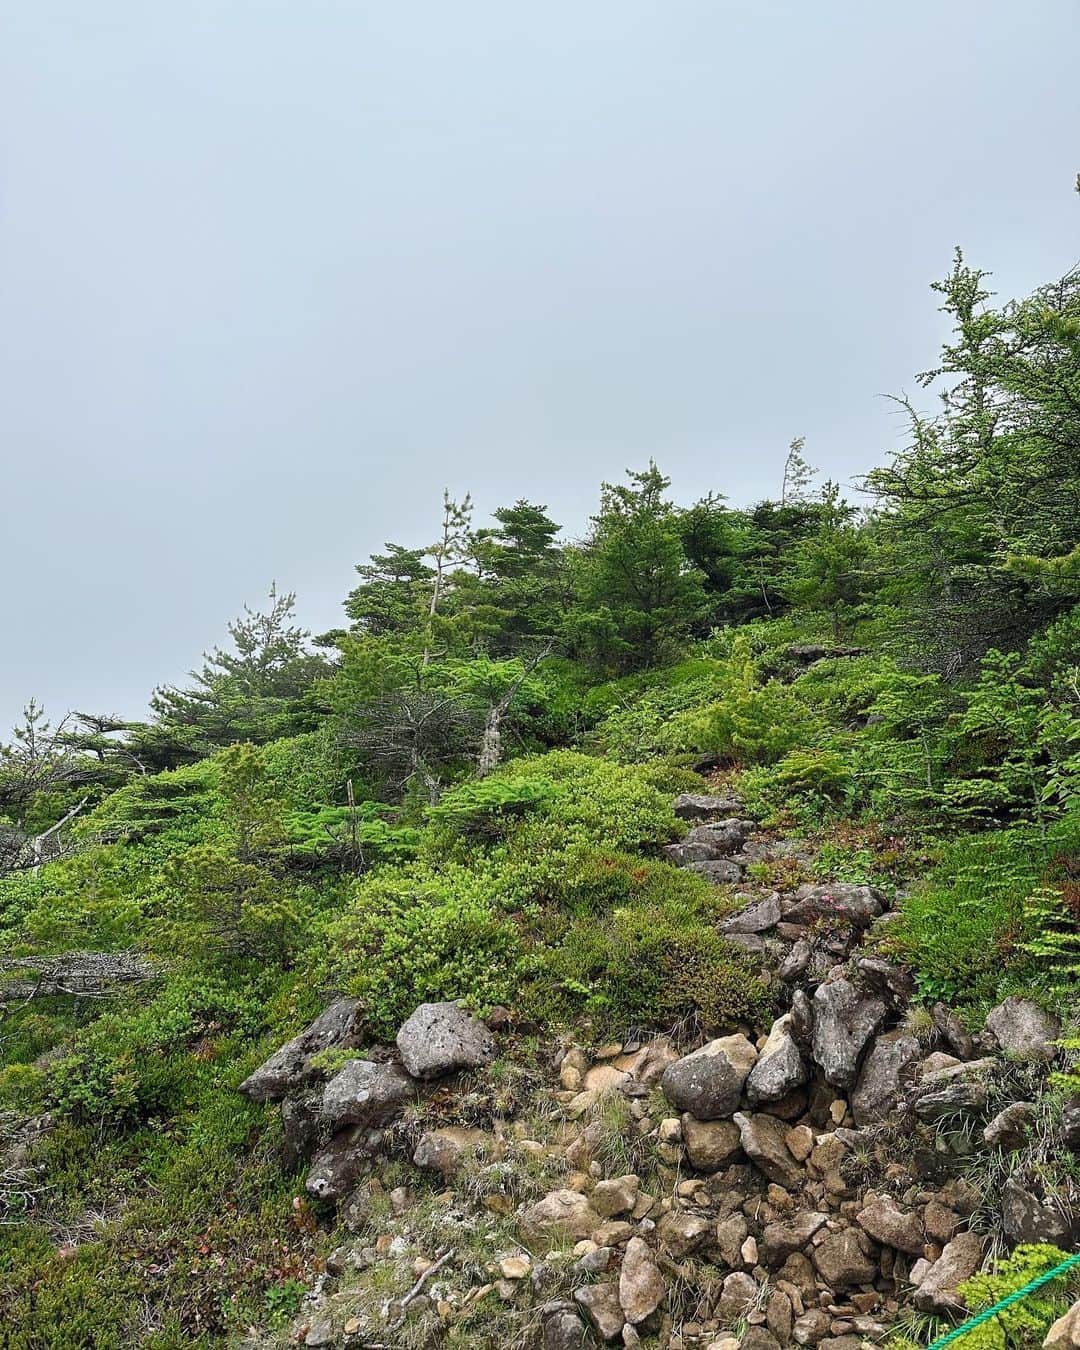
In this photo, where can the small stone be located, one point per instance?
(886, 1222)
(800, 1142)
(563, 1212)
(514, 1267)
(710, 1144)
(612, 1198)
(681, 1233)
(641, 1286)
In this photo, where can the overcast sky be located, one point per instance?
(274, 273)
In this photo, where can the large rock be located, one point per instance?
(738, 1294)
(959, 1089)
(887, 1223)
(1021, 1027)
(937, 1291)
(722, 872)
(757, 918)
(1065, 1333)
(681, 1233)
(792, 1235)
(562, 1327)
(302, 1124)
(600, 1303)
(1070, 1124)
(884, 1077)
(841, 1261)
(441, 1038)
(363, 1093)
(708, 1083)
(641, 1286)
(839, 901)
(1010, 1128)
(845, 1019)
(886, 977)
(710, 1144)
(562, 1213)
(445, 1150)
(779, 1067)
(290, 1067)
(687, 852)
(953, 1032)
(764, 1142)
(701, 806)
(342, 1160)
(726, 836)
(1025, 1217)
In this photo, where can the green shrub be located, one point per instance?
(409, 938)
(478, 806)
(651, 965)
(750, 723)
(977, 928)
(1024, 1324)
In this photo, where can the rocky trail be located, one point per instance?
(813, 1182)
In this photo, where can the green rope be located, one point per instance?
(1014, 1297)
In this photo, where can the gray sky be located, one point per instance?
(272, 274)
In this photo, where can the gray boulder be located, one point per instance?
(290, 1066)
(702, 806)
(722, 872)
(301, 1123)
(1021, 1028)
(854, 906)
(845, 1019)
(779, 1067)
(1010, 1128)
(756, 918)
(1025, 1217)
(562, 1327)
(363, 1093)
(883, 1077)
(764, 1141)
(725, 836)
(954, 1089)
(682, 855)
(441, 1038)
(796, 961)
(953, 1031)
(960, 1259)
(886, 977)
(709, 1082)
(342, 1160)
